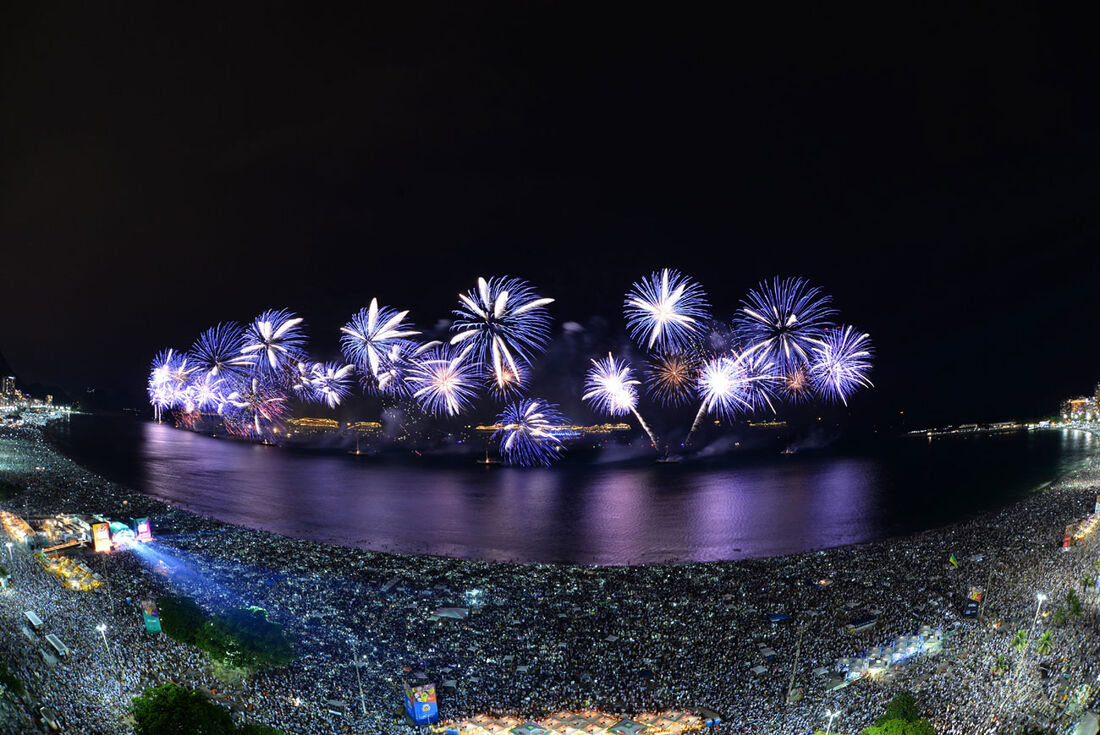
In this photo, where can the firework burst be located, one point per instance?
(208, 392)
(785, 319)
(729, 385)
(219, 351)
(840, 364)
(504, 323)
(670, 378)
(611, 388)
(256, 406)
(527, 432)
(665, 310)
(373, 336)
(443, 381)
(795, 386)
(275, 340)
(331, 382)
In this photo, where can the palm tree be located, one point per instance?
(1045, 644)
(1000, 666)
(1073, 602)
(1020, 641)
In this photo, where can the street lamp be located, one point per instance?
(102, 628)
(11, 559)
(1040, 597)
(831, 716)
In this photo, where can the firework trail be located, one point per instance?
(218, 351)
(504, 323)
(275, 341)
(664, 311)
(786, 318)
(671, 378)
(526, 432)
(443, 381)
(840, 363)
(729, 385)
(373, 337)
(611, 388)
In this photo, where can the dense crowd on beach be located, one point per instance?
(546, 638)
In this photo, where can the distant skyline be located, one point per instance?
(938, 175)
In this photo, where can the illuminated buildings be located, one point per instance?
(1083, 408)
(7, 386)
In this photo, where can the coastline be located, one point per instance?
(670, 618)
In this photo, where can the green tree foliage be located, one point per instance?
(244, 638)
(1059, 616)
(901, 727)
(1045, 643)
(1019, 641)
(172, 710)
(253, 728)
(10, 680)
(1001, 665)
(1073, 604)
(181, 618)
(1086, 583)
(902, 707)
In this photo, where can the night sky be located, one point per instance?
(937, 173)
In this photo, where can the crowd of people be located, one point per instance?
(540, 639)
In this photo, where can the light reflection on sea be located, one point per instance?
(739, 506)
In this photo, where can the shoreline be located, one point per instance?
(663, 616)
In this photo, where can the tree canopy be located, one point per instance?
(901, 727)
(170, 709)
(254, 728)
(245, 638)
(180, 618)
(902, 707)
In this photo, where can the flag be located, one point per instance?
(953, 560)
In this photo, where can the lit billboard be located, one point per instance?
(420, 704)
(143, 529)
(101, 533)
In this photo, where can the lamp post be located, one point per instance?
(11, 559)
(1040, 597)
(103, 632)
(102, 628)
(831, 716)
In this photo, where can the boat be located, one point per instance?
(488, 460)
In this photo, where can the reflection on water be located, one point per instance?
(735, 507)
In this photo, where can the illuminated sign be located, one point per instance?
(144, 530)
(420, 703)
(102, 535)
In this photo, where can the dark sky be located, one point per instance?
(937, 172)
